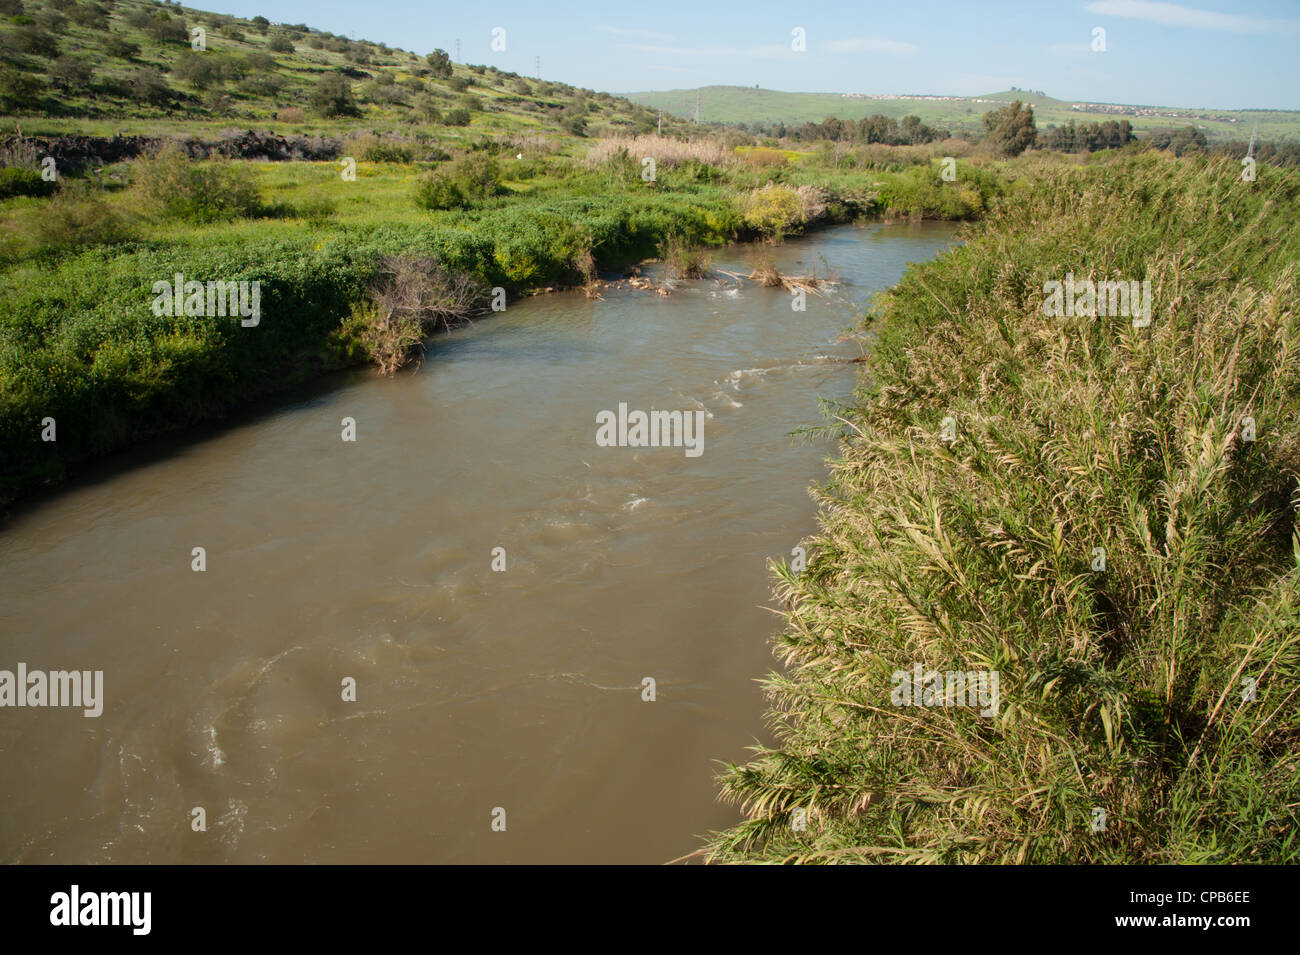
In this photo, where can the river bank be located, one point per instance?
(1090, 520)
(82, 348)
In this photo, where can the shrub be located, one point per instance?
(70, 73)
(120, 47)
(18, 89)
(280, 42)
(89, 15)
(76, 219)
(147, 85)
(51, 22)
(409, 297)
(176, 187)
(200, 70)
(773, 211)
(332, 96)
(36, 41)
(291, 114)
(23, 182)
(457, 117)
(439, 63)
(686, 259)
(439, 190)
(166, 30)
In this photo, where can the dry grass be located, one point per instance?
(666, 152)
(1160, 689)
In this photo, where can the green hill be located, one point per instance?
(742, 104)
(99, 67)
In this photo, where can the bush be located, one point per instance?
(18, 89)
(51, 22)
(76, 219)
(176, 187)
(439, 63)
(439, 190)
(36, 41)
(147, 85)
(773, 211)
(89, 15)
(457, 117)
(686, 259)
(410, 296)
(280, 42)
(200, 70)
(332, 96)
(120, 47)
(23, 182)
(166, 30)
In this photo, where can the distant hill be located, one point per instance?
(743, 104)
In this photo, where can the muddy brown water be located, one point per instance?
(476, 689)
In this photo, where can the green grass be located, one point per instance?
(1120, 690)
(741, 104)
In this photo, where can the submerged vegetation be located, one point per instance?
(1101, 512)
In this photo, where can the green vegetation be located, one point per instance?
(1158, 687)
(758, 111)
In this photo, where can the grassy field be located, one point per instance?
(1100, 514)
(741, 104)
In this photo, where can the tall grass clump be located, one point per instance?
(1153, 692)
(686, 259)
(174, 186)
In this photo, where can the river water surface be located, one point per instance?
(372, 560)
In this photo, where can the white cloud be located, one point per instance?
(1174, 15)
(872, 44)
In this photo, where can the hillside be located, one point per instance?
(99, 67)
(740, 104)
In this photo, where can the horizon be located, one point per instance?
(1155, 53)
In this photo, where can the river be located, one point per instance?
(476, 689)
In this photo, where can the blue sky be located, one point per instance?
(1212, 53)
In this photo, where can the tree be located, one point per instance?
(1011, 129)
(120, 47)
(280, 42)
(18, 89)
(440, 63)
(166, 30)
(70, 73)
(333, 97)
(200, 70)
(261, 24)
(33, 40)
(149, 86)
